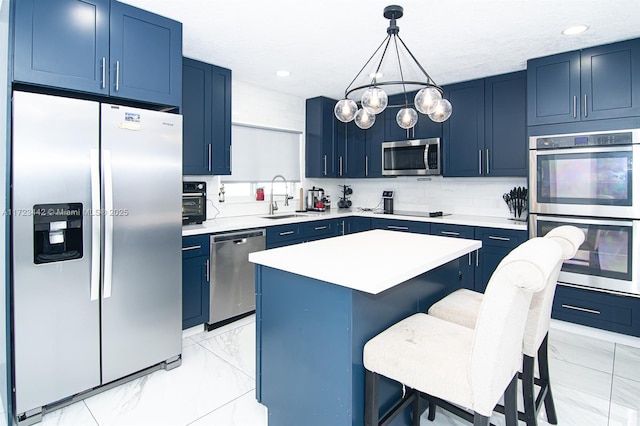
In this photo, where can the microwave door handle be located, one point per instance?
(426, 157)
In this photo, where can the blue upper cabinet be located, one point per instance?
(323, 133)
(98, 46)
(363, 149)
(206, 110)
(425, 128)
(463, 132)
(597, 83)
(505, 112)
(146, 56)
(63, 43)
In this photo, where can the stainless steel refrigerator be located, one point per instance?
(96, 238)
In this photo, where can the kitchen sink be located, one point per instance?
(285, 216)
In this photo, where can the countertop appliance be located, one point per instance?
(387, 202)
(411, 157)
(316, 199)
(96, 237)
(194, 202)
(587, 180)
(232, 293)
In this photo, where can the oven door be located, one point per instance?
(585, 181)
(607, 260)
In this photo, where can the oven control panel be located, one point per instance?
(583, 140)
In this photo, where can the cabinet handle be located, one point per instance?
(286, 233)
(487, 150)
(230, 157)
(479, 161)
(320, 228)
(491, 237)
(207, 269)
(191, 248)
(576, 308)
(401, 228)
(575, 106)
(340, 161)
(477, 259)
(450, 233)
(325, 165)
(209, 163)
(366, 165)
(469, 258)
(117, 75)
(586, 113)
(104, 72)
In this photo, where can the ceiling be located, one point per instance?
(325, 43)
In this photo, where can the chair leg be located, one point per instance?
(480, 420)
(543, 366)
(528, 391)
(417, 409)
(432, 410)
(370, 398)
(511, 402)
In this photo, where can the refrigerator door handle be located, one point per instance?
(108, 223)
(95, 225)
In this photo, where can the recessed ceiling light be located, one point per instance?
(576, 29)
(283, 73)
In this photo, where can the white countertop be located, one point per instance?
(371, 261)
(259, 221)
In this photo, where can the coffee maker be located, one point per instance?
(316, 200)
(387, 200)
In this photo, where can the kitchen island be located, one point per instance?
(318, 303)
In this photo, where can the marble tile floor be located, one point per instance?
(596, 381)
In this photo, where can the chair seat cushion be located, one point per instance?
(460, 307)
(427, 354)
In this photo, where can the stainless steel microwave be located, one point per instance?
(411, 158)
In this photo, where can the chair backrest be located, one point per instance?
(569, 238)
(497, 341)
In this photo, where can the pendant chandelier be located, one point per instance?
(374, 99)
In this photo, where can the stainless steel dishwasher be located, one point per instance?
(232, 275)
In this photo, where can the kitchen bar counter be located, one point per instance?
(259, 221)
(317, 304)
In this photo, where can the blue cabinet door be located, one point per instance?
(610, 81)
(356, 224)
(146, 56)
(466, 264)
(506, 125)
(496, 244)
(206, 110)
(374, 137)
(321, 138)
(62, 43)
(196, 118)
(355, 152)
(220, 121)
(463, 132)
(195, 291)
(425, 127)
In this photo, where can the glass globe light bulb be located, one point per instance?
(426, 99)
(345, 110)
(374, 100)
(407, 118)
(364, 119)
(442, 111)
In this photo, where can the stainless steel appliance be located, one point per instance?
(587, 180)
(607, 260)
(232, 275)
(387, 202)
(316, 199)
(412, 157)
(194, 202)
(96, 237)
(585, 174)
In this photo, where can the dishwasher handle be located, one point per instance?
(237, 237)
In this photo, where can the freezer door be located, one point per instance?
(55, 321)
(142, 198)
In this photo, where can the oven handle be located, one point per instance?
(617, 148)
(193, 194)
(535, 217)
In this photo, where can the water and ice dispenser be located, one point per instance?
(57, 232)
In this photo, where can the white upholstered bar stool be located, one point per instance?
(462, 307)
(472, 368)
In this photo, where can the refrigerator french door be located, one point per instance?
(96, 237)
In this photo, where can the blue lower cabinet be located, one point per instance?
(318, 230)
(401, 225)
(496, 244)
(356, 224)
(467, 263)
(195, 280)
(606, 311)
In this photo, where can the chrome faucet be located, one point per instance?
(273, 205)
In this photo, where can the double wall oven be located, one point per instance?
(587, 180)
